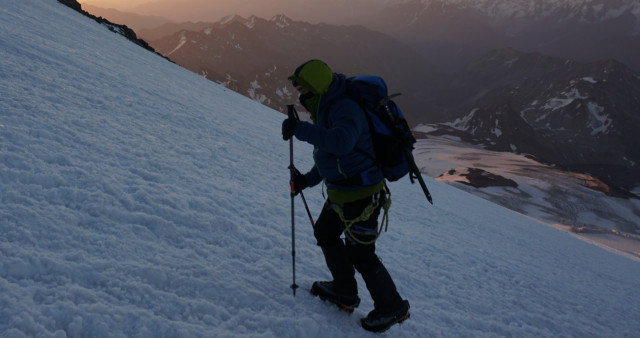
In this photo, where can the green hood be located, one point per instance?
(313, 75)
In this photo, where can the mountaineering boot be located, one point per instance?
(329, 291)
(380, 320)
(389, 307)
(343, 290)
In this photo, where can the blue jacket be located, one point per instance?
(339, 136)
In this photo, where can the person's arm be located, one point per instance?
(347, 123)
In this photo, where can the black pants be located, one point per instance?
(344, 257)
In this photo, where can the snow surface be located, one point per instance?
(138, 199)
(557, 103)
(546, 193)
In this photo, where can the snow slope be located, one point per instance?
(566, 200)
(138, 199)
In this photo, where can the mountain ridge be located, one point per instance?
(254, 56)
(577, 30)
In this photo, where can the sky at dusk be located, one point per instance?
(118, 4)
(210, 11)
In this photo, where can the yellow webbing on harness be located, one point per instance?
(365, 215)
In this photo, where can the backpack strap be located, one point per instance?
(358, 178)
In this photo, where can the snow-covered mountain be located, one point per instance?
(138, 199)
(578, 116)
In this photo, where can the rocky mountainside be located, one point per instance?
(254, 57)
(579, 116)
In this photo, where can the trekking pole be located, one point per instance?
(294, 286)
(294, 114)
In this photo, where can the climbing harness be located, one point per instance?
(383, 197)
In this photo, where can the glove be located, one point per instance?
(289, 128)
(299, 181)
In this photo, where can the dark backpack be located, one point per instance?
(389, 129)
(393, 141)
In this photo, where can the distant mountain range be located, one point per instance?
(451, 33)
(582, 117)
(254, 56)
(579, 112)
